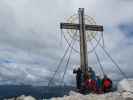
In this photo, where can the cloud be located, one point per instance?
(30, 38)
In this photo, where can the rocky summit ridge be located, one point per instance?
(124, 92)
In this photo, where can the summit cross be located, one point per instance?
(82, 27)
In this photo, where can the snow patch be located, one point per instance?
(125, 85)
(22, 98)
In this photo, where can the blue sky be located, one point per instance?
(30, 38)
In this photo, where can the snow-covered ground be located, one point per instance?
(124, 92)
(22, 98)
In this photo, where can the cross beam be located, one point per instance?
(77, 27)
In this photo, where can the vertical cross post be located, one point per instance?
(83, 43)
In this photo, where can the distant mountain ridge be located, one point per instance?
(7, 91)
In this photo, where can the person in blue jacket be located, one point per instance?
(93, 75)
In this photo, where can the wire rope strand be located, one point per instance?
(77, 50)
(59, 64)
(67, 62)
(113, 61)
(98, 60)
(103, 39)
(61, 35)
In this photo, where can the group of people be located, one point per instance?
(90, 83)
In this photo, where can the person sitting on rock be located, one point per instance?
(93, 75)
(99, 85)
(107, 84)
(87, 82)
(90, 84)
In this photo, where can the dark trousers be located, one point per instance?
(78, 81)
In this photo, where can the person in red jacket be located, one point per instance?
(107, 84)
(90, 84)
(87, 81)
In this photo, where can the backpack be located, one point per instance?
(107, 83)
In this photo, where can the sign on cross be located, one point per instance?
(82, 27)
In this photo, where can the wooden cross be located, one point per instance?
(82, 27)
